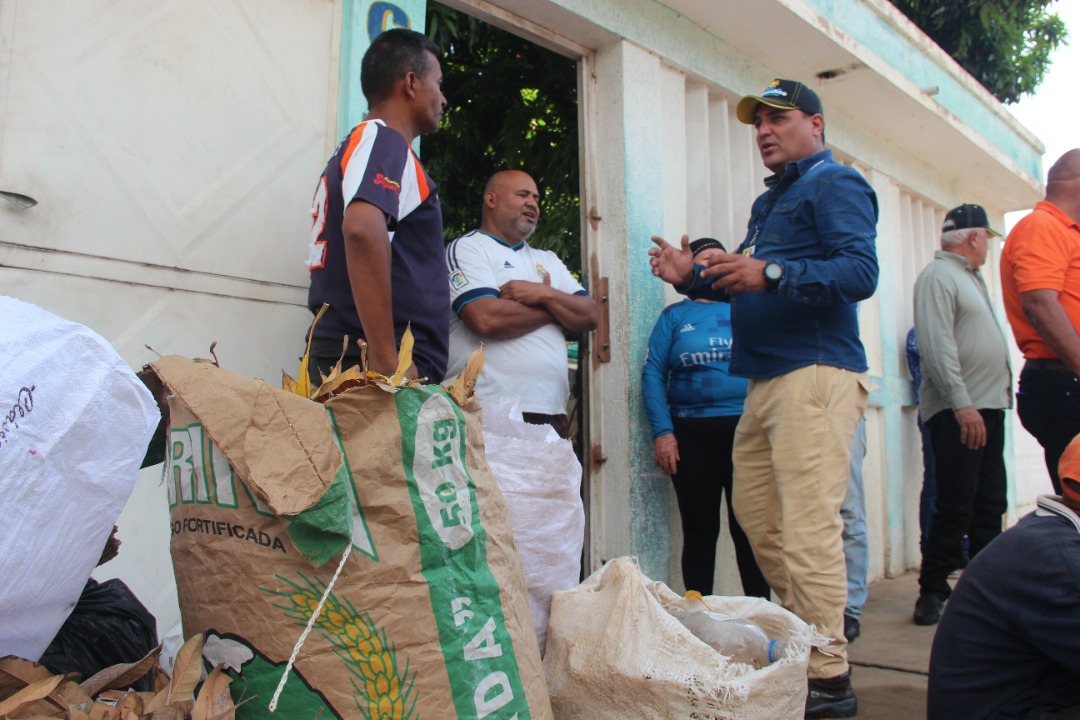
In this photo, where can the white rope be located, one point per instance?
(307, 630)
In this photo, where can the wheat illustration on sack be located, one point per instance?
(383, 691)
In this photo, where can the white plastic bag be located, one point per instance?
(74, 425)
(540, 477)
(615, 652)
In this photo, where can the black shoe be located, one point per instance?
(851, 628)
(928, 609)
(831, 697)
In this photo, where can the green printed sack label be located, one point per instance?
(480, 658)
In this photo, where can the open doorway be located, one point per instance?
(512, 104)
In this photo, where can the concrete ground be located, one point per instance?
(891, 657)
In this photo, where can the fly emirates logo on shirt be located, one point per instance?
(719, 351)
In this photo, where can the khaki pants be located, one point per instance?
(791, 459)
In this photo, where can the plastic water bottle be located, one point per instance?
(739, 639)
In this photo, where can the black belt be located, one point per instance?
(1049, 366)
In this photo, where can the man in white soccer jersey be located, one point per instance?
(516, 300)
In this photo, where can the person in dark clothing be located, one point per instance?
(1009, 637)
(376, 251)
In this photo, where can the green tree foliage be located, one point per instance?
(1004, 44)
(511, 106)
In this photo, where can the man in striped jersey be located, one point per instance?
(376, 238)
(516, 299)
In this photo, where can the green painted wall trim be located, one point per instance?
(870, 28)
(671, 35)
(650, 511)
(362, 20)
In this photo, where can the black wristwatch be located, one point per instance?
(774, 273)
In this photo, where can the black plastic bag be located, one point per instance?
(109, 626)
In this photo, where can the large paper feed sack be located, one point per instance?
(429, 616)
(74, 425)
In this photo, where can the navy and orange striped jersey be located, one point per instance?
(374, 164)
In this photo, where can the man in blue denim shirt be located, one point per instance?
(807, 259)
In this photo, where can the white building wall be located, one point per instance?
(173, 148)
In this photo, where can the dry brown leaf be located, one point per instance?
(120, 705)
(288, 384)
(187, 670)
(339, 381)
(160, 700)
(161, 679)
(75, 713)
(121, 676)
(30, 695)
(404, 357)
(16, 673)
(170, 712)
(71, 695)
(461, 388)
(131, 703)
(213, 354)
(42, 708)
(302, 384)
(101, 711)
(214, 697)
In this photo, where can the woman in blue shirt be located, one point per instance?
(693, 406)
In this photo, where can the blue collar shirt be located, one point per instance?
(818, 221)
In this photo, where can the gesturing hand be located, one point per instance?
(736, 273)
(672, 264)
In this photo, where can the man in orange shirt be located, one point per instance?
(1040, 276)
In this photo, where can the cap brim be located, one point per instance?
(747, 107)
(990, 231)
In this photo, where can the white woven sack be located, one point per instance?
(74, 426)
(614, 652)
(540, 477)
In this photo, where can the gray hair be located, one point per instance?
(950, 238)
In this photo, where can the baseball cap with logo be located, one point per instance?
(968, 216)
(783, 95)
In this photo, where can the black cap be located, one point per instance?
(781, 94)
(968, 216)
(700, 244)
